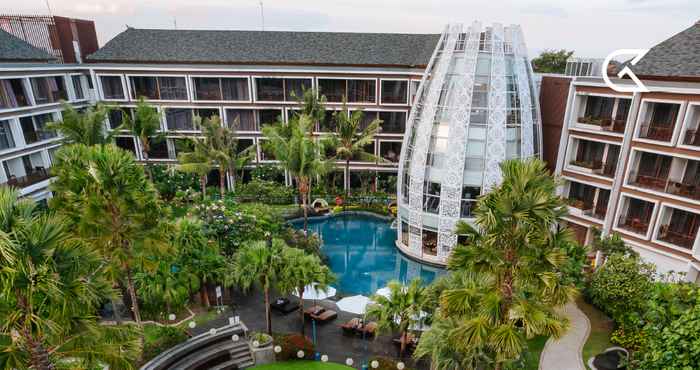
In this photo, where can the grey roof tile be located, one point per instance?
(267, 47)
(13, 49)
(678, 56)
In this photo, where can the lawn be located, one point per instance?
(535, 347)
(601, 327)
(302, 365)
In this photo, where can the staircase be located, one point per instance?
(241, 358)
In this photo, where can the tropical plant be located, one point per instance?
(51, 285)
(163, 287)
(197, 161)
(144, 125)
(400, 311)
(86, 127)
(611, 244)
(222, 147)
(301, 269)
(509, 272)
(168, 180)
(551, 61)
(259, 263)
(350, 139)
(298, 152)
(113, 206)
(312, 104)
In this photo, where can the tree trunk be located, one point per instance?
(204, 294)
(203, 181)
(268, 316)
(303, 192)
(402, 350)
(301, 309)
(117, 315)
(134, 301)
(347, 178)
(233, 180)
(144, 150)
(222, 182)
(38, 356)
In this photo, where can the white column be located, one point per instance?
(496, 132)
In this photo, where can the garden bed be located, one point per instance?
(302, 365)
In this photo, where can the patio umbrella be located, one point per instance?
(384, 292)
(311, 293)
(419, 325)
(356, 304)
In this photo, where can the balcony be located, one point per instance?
(591, 165)
(682, 239)
(649, 181)
(658, 132)
(581, 206)
(605, 124)
(684, 189)
(37, 175)
(692, 138)
(636, 225)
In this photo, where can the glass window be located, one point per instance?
(172, 88)
(469, 195)
(34, 128)
(431, 197)
(390, 150)
(12, 94)
(269, 89)
(6, 140)
(294, 88)
(333, 89)
(393, 122)
(362, 91)
(112, 87)
(207, 88)
(269, 116)
(242, 119)
(235, 89)
(48, 89)
(144, 86)
(158, 149)
(179, 119)
(126, 143)
(394, 92)
(78, 87)
(265, 153)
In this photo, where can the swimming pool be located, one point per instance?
(362, 254)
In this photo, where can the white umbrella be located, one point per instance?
(312, 293)
(384, 292)
(419, 325)
(356, 304)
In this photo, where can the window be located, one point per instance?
(393, 122)
(414, 89)
(182, 145)
(469, 195)
(281, 89)
(12, 94)
(180, 119)
(431, 197)
(356, 91)
(390, 150)
(269, 116)
(221, 88)
(265, 153)
(127, 143)
(116, 116)
(157, 87)
(158, 149)
(599, 107)
(48, 89)
(34, 128)
(78, 87)
(394, 92)
(6, 140)
(241, 119)
(112, 87)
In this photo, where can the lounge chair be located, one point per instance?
(349, 328)
(320, 314)
(284, 306)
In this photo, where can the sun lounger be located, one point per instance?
(320, 314)
(284, 306)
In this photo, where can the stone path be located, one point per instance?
(565, 353)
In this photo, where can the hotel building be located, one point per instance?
(631, 161)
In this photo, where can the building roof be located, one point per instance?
(267, 47)
(675, 58)
(14, 49)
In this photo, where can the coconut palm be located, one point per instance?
(86, 127)
(51, 285)
(302, 269)
(112, 205)
(401, 310)
(258, 263)
(298, 152)
(350, 139)
(145, 126)
(312, 104)
(510, 269)
(197, 161)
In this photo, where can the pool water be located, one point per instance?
(362, 254)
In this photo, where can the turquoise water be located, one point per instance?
(362, 254)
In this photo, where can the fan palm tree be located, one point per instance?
(350, 139)
(510, 269)
(145, 126)
(86, 128)
(260, 264)
(401, 310)
(298, 152)
(112, 205)
(51, 285)
(302, 269)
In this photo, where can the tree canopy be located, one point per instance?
(551, 61)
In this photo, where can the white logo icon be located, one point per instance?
(639, 86)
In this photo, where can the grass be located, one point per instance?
(302, 365)
(601, 328)
(535, 347)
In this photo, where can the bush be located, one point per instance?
(296, 239)
(291, 344)
(169, 181)
(166, 337)
(267, 172)
(385, 363)
(264, 191)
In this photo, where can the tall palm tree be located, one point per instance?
(51, 285)
(298, 152)
(510, 268)
(401, 310)
(145, 126)
(260, 264)
(86, 127)
(302, 269)
(312, 104)
(350, 139)
(197, 161)
(113, 206)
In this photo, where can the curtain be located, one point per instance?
(7, 96)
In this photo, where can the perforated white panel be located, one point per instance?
(496, 132)
(523, 81)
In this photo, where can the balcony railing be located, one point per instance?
(580, 204)
(591, 165)
(680, 239)
(648, 182)
(676, 187)
(655, 131)
(609, 169)
(38, 175)
(692, 137)
(684, 189)
(634, 224)
(600, 211)
(606, 124)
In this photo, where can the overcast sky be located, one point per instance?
(592, 28)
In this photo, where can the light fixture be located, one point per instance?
(278, 349)
(324, 358)
(374, 364)
(400, 366)
(300, 354)
(192, 324)
(235, 338)
(349, 362)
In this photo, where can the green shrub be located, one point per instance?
(169, 181)
(165, 337)
(291, 344)
(385, 363)
(267, 172)
(264, 191)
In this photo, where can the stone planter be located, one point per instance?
(263, 352)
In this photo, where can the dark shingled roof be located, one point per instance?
(677, 57)
(267, 47)
(14, 49)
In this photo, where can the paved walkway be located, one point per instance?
(565, 353)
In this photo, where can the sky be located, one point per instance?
(591, 28)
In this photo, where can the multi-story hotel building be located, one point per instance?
(631, 161)
(251, 77)
(32, 84)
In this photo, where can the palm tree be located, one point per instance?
(51, 286)
(298, 152)
(510, 269)
(350, 139)
(197, 161)
(302, 269)
(86, 128)
(312, 104)
(112, 205)
(164, 286)
(145, 126)
(260, 264)
(401, 310)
